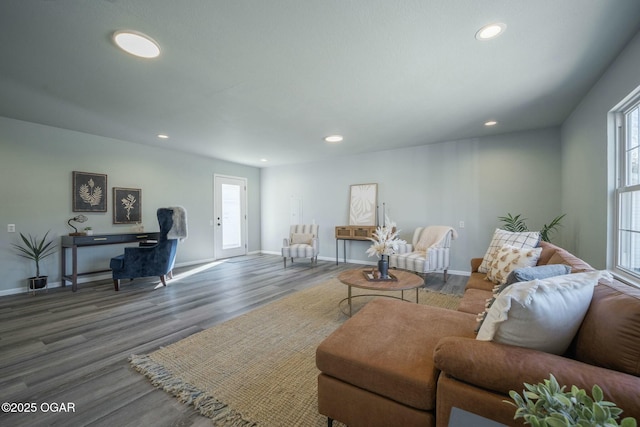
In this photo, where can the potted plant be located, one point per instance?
(36, 250)
(517, 224)
(546, 404)
(88, 231)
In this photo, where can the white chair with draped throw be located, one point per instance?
(301, 243)
(428, 252)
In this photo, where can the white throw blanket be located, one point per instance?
(433, 235)
(179, 228)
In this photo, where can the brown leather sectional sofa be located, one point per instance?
(400, 364)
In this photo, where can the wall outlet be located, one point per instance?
(11, 228)
(461, 225)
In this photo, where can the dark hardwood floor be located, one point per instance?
(59, 347)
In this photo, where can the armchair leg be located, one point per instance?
(285, 261)
(163, 280)
(329, 422)
(446, 276)
(116, 284)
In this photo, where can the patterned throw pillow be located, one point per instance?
(509, 258)
(528, 239)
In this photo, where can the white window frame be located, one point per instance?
(622, 188)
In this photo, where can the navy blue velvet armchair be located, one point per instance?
(145, 261)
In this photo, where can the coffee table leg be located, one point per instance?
(416, 295)
(349, 299)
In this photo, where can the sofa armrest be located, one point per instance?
(475, 263)
(501, 368)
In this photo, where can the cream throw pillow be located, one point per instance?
(528, 239)
(509, 258)
(301, 239)
(541, 314)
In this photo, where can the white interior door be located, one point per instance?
(230, 210)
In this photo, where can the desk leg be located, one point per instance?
(63, 265)
(74, 266)
(344, 250)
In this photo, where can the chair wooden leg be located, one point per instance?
(285, 261)
(329, 422)
(170, 274)
(163, 280)
(446, 276)
(116, 284)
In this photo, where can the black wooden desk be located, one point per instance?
(74, 242)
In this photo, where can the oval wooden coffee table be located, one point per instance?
(356, 278)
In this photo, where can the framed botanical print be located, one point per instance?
(89, 192)
(363, 204)
(127, 205)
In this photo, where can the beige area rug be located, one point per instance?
(259, 368)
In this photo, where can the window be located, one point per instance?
(627, 248)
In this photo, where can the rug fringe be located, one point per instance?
(220, 413)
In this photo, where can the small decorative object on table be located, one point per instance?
(78, 218)
(385, 242)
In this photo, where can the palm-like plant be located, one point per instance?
(35, 249)
(517, 224)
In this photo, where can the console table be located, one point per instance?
(75, 242)
(352, 232)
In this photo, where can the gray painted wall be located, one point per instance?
(587, 152)
(539, 173)
(474, 181)
(36, 164)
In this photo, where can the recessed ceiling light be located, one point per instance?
(334, 138)
(491, 31)
(263, 160)
(136, 43)
(490, 123)
(163, 136)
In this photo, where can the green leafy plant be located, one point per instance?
(517, 223)
(35, 249)
(547, 404)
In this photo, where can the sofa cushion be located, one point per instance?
(474, 301)
(509, 258)
(479, 281)
(561, 256)
(394, 357)
(610, 332)
(528, 239)
(541, 314)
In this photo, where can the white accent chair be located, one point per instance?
(428, 252)
(302, 243)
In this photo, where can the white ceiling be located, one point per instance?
(242, 80)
